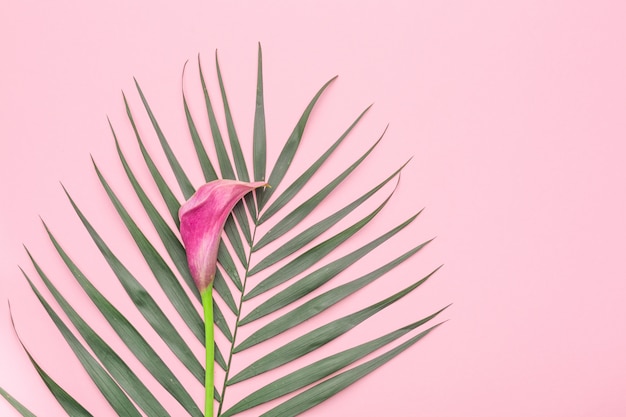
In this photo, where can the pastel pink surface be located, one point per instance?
(513, 112)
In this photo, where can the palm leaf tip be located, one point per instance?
(259, 134)
(320, 336)
(299, 241)
(303, 179)
(105, 383)
(304, 209)
(321, 369)
(205, 163)
(181, 177)
(223, 158)
(316, 305)
(330, 387)
(289, 150)
(235, 146)
(319, 277)
(113, 363)
(148, 308)
(67, 402)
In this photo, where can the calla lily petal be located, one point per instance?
(202, 220)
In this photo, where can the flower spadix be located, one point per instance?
(202, 220)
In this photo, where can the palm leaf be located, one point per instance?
(318, 337)
(145, 303)
(311, 256)
(25, 412)
(297, 185)
(259, 135)
(114, 364)
(304, 209)
(67, 402)
(323, 391)
(179, 173)
(312, 282)
(166, 192)
(105, 383)
(318, 370)
(205, 163)
(305, 237)
(292, 289)
(289, 150)
(133, 339)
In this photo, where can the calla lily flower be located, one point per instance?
(202, 220)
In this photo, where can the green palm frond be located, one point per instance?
(287, 272)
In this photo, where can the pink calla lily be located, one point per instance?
(202, 219)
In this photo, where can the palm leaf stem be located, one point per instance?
(236, 329)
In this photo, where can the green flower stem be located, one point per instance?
(207, 304)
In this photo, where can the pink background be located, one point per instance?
(513, 111)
